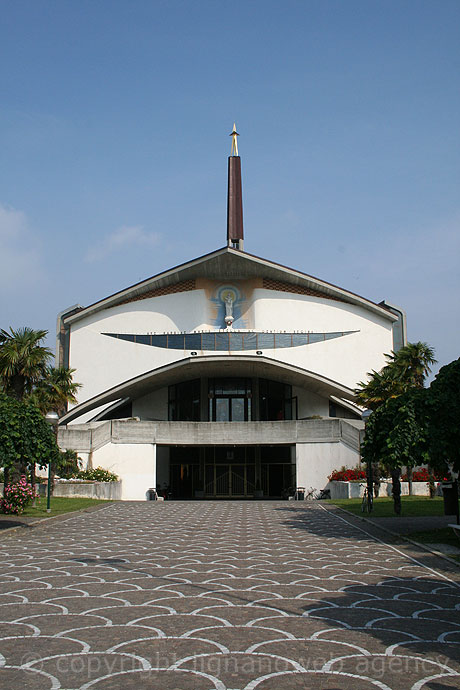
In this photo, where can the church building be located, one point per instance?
(229, 376)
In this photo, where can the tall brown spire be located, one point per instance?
(235, 236)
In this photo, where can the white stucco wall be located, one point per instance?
(315, 461)
(153, 406)
(346, 359)
(134, 463)
(102, 362)
(310, 403)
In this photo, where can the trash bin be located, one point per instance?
(450, 495)
(152, 495)
(300, 493)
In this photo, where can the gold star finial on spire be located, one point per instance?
(234, 134)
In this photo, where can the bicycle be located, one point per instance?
(310, 494)
(368, 500)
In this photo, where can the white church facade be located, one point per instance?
(229, 376)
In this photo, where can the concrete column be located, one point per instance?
(202, 459)
(154, 458)
(255, 400)
(204, 401)
(258, 475)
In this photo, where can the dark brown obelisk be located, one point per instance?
(235, 234)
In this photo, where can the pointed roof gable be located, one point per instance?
(230, 264)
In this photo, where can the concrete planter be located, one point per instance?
(87, 489)
(356, 489)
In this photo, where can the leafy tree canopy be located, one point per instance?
(25, 436)
(444, 421)
(55, 390)
(23, 360)
(406, 369)
(396, 433)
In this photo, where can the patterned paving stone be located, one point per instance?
(38, 648)
(224, 596)
(29, 679)
(101, 639)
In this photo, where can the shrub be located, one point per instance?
(16, 497)
(68, 464)
(97, 475)
(347, 475)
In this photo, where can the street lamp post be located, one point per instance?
(52, 418)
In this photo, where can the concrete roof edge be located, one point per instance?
(284, 271)
(121, 389)
(116, 296)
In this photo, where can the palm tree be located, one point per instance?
(406, 369)
(53, 393)
(25, 374)
(382, 386)
(23, 360)
(56, 390)
(412, 363)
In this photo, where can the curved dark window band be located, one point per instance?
(228, 341)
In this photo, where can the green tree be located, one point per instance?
(396, 436)
(406, 369)
(405, 373)
(25, 437)
(412, 364)
(380, 387)
(55, 390)
(53, 393)
(68, 464)
(23, 360)
(25, 374)
(444, 422)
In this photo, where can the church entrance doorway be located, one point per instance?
(229, 481)
(219, 472)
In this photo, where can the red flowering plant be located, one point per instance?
(347, 475)
(422, 475)
(16, 497)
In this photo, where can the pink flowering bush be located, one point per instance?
(16, 497)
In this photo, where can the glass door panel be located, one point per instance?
(238, 410)
(222, 480)
(237, 478)
(222, 410)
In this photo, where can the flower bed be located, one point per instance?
(422, 475)
(347, 475)
(355, 489)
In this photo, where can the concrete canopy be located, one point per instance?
(212, 365)
(232, 264)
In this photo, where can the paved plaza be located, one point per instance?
(223, 596)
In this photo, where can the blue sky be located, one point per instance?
(114, 123)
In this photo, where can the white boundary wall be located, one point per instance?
(134, 463)
(315, 461)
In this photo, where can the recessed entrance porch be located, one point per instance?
(214, 472)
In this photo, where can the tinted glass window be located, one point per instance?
(159, 340)
(221, 341)
(193, 341)
(176, 342)
(265, 341)
(250, 341)
(208, 341)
